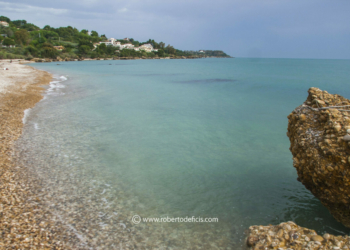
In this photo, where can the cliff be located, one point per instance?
(321, 149)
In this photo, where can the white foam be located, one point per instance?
(56, 85)
(36, 126)
(26, 114)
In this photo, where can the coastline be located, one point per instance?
(40, 60)
(24, 224)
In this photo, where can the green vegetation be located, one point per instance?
(26, 40)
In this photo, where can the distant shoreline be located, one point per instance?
(41, 60)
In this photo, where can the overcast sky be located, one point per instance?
(242, 28)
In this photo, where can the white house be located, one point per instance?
(110, 42)
(201, 51)
(147, 47)
(5, 24)
(89, 33)
(113, 42)
(129, 46)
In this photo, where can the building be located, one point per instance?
(5, 24)
(110, 42)
(113, 42)
(147, 47)
(201, 51)
(127, 46)
(4, 35)
(89, 33)
(60, 48)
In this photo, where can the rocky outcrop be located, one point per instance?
(321, 149)
(319, 133)
(290, 236)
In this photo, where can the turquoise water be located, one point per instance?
(177, 138)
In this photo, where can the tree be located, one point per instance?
(110, 50)
(94, 33)
(160, 53)
(48, 51)
(93, 55)
(161, 45)
(84, 49)
(6, 30)
(102, 48)
(22, 37)
(1, 38)
(8, 41)
(19, 23)
(31, 50)
(84, 31)
(170, 49)
(85, 42)
(5, 19)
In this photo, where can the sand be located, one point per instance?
(24, 224)
(16, 73)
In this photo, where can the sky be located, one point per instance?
(241, 28)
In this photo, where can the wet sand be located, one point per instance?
(23, 222)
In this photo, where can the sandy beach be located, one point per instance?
(23, 223)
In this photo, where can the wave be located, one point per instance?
(26, 114)
(56, 85)
(54, 89)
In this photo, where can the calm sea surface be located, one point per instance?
(175, 138)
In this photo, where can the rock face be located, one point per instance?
(288, 235)
(320, 144)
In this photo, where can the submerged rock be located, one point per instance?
(318, 133)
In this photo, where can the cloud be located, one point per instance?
(275, 28)
(24, 8)
(123, 10)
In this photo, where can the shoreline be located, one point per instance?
(46, 60)
(23, 222)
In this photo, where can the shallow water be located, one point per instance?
(176, 138)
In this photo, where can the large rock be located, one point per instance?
(321, 149)
(288, 236)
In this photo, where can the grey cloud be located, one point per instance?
(275, 28)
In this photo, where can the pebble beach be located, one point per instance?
(23, 222)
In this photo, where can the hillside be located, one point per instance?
(24, 40)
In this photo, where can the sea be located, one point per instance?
(174, 154)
